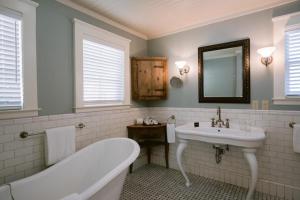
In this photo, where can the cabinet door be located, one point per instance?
(144, 78)
(158, 76)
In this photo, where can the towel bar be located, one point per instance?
(291, 124)
(25, 134)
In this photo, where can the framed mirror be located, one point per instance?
(224, 72)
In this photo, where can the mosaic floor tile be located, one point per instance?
(152, 182)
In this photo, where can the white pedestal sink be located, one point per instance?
(248, 138)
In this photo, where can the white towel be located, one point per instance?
(171, 133)
(296, 138)
(74, 196)
(59, 143)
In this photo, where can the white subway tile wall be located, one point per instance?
(20, 158)
(279, 166)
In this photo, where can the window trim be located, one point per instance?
(279, 29)
(30, 100)
(81, 30)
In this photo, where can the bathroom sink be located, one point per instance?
(247, 137)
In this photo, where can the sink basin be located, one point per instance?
(251, 137)
(248, 138)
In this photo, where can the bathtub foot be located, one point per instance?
(249, 155)
(182, 145)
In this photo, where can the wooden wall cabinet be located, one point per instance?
(149, 78)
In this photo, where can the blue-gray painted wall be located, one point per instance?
(184, 46)
(55, 60)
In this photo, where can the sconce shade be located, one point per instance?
(182, 67)
(266, 55)
(180, 64)
(266, 52)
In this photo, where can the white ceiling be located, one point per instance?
(155, 18)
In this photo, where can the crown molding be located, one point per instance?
(30, 2)
(96, 15)
(240, 14)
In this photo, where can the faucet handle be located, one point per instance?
(212, 122)
(227, 123)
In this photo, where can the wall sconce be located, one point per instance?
(182, 67)
(266, 55)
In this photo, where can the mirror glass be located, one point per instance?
(223, 72)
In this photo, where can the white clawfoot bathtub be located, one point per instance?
(96, 172)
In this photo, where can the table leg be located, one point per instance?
(167, 155)
(149, 154)
(130, 168)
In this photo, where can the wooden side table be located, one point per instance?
(149, 136)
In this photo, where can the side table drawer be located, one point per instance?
(144, 133)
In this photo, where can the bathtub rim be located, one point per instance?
(90, 191)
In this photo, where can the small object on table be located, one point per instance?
(150, 121)
(149, 136)
(139, 121)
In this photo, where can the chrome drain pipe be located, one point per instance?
(219, 152)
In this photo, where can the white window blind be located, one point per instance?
(11, 96)
(103, 73)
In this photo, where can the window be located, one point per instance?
(286, 64)
(103, 73)
(10, 63)
(18, 81)
(292, 49)
(101, 68)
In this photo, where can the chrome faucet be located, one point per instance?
(219, 122)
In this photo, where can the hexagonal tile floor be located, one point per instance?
(152, 182)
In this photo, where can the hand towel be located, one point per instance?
(74, 196)
(171, 133)
(296, 138)
(59, 144)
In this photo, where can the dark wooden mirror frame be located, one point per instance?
(246, 72)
